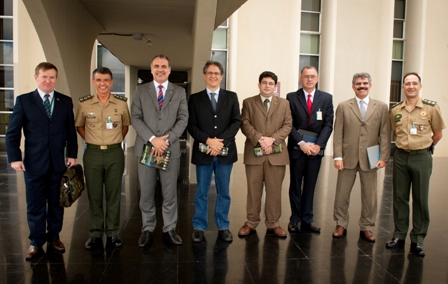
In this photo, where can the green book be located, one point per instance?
(148, 158)
(258, 151)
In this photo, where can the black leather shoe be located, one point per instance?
(309, 228)
(145, 239)
(113, 242)
(395, 243)
(173, 237)
(225, 235)
(93, 243)
(198, 236)
(417, 249)
(293, 227)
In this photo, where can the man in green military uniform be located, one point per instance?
(103, 121)
(417, 124)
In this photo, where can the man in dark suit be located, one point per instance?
(312, 110)
(266, 122)
(214, 120)
(47, 120)
(360, 122)
(159, 114)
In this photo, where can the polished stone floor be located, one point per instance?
(258, 258)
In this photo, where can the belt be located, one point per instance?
(413, 152)
(103, 147)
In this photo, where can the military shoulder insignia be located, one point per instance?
(395, 105)
(85, 98)
(429, 102)
(123, 98)
(398, 116)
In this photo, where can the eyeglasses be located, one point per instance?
(267, 83)
(213, 73)
(408, 84)
(309, 76)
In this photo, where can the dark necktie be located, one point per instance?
(213, 100)
(309, 103)
(47, 104)
(266, 106)
(160, 97)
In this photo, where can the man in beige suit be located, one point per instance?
(266, 122)
(360, 122)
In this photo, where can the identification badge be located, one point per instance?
(413, 130)
(109, 123)
(318, 115)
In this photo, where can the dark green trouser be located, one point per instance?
(411, 169)
(104, 167)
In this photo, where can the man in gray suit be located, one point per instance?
(159, 114)
(360, 122)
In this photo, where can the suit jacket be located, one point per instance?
(322, 102)
(255, 123)
(46, 139)
(352, 135)
(204, 123)
(148, 120)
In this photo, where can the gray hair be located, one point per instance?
(361, 75)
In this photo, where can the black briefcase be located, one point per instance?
(72, 185)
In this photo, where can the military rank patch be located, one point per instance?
(123, 98)
(429, 102)
(85, 98)
(398, 116)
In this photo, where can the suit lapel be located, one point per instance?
(222, 100)
(153, 95)
(302, 100)
(354, 107)
(316, 101)
(273, 106)
(57, 104)
(371, 107)
(206, 101)
(37, 101)
(260, 105)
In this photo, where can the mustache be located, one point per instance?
(362, 88)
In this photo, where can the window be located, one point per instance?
(310, 34)
(6, 65)
(106, 59)
(220, 48)
(397, 51)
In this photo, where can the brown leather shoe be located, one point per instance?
(368, 235)
(339, 231)
(57, 246)
(32, 252)
(278, 231)
(245, 230)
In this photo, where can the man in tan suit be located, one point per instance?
(360, 122)
(266, 122)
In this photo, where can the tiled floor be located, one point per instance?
(258, 258)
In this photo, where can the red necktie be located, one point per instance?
(309, 103)
(160, 96)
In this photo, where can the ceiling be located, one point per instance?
(168, 24)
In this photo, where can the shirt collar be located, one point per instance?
(263, 98)
(209, 92)
(42, 94)
(165, 85)
(366, 100)
(312, 94)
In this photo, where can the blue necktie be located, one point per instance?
(47, 104)
(213, 100)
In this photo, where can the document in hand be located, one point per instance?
(373, 153)
(308, 136)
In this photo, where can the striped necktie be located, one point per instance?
(47, 104)
(160, 97)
